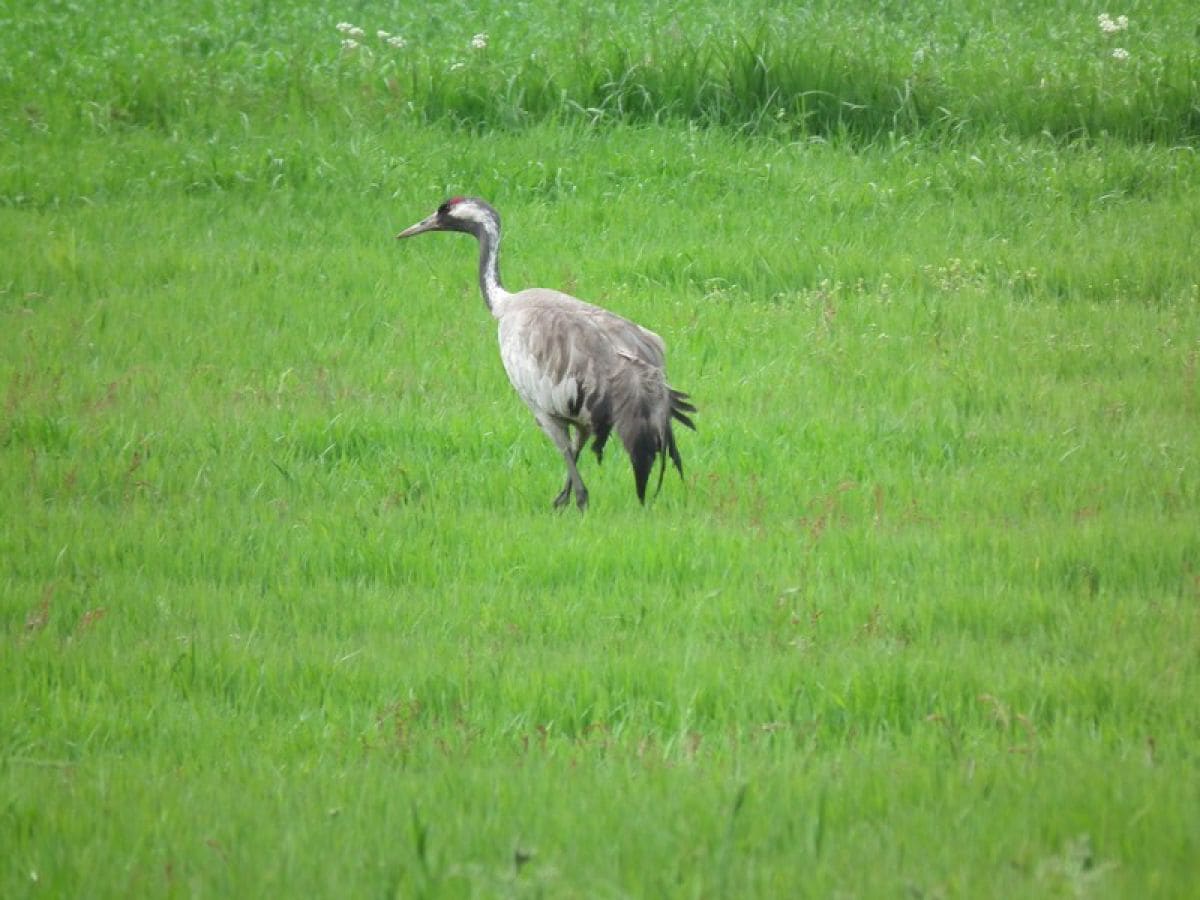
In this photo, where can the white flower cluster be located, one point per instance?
(392, 40)
(1109, 25)
(354, 36)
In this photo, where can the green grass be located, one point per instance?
(284, 606)
(856, 71)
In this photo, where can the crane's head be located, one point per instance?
(469, 214)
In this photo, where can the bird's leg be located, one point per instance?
(581, 437)
(556, 430)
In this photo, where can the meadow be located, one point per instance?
(285, 608)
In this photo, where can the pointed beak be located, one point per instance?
(429, 223)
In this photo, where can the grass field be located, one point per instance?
(285, 608)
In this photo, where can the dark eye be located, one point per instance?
(445, 208)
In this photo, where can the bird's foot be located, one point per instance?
(581, 499)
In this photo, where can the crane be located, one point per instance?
(576, 366)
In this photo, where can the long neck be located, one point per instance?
(489, 266)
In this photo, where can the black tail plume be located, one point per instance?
(642, 450)
(680, 406)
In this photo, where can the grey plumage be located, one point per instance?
(577, 367)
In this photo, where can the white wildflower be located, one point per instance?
(1120, 53)
(480, 41)
(349, 45)
(1109, 25)
(356, 32)
(382, 35)
(344, 27)
(398, 42)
